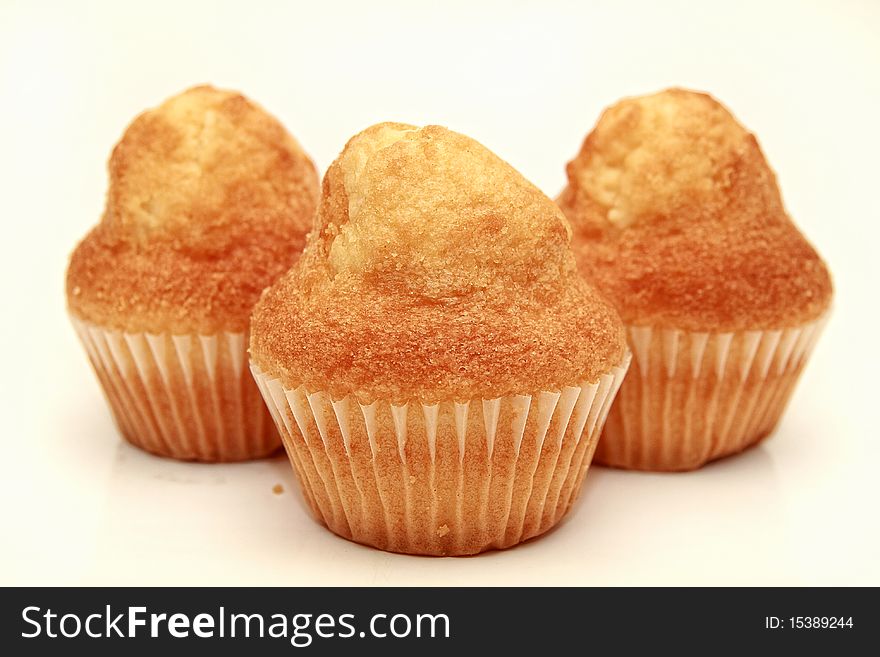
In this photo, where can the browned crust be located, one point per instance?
(435, 272)
(209, 201)
(677, 217)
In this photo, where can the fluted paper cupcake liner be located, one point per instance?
(693, 397)
(183, 396)
(450, 478)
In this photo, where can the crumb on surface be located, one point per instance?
(278, 489)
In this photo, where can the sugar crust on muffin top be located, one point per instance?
(677, 217)
(209, 201)
(435, 272)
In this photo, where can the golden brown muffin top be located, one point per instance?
(678, 219)
(435, 272)
(209, 201)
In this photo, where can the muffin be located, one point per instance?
(437, 368)
(678, 219)
(210, 200)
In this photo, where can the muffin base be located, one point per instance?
(452, 478)
(693, 397)
(187, 397)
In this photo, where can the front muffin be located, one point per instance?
(677, 218)
(209, 202)
(437, 368)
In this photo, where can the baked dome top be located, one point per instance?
(209, 201)
(435, 271)
(677, 217)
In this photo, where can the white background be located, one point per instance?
(528, 80)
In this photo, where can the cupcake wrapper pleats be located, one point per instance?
(450, 478)
(693, 397)
(184, 396)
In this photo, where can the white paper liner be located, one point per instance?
(443, 479)
(692, 397)
(184, 396)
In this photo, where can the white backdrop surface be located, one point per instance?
(528, 80)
